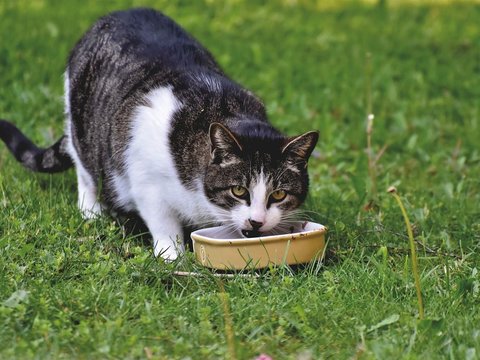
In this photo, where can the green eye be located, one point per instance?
(278, 195)
(239, 191)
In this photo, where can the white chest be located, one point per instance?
(150, 169)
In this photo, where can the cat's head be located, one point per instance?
(257, 178)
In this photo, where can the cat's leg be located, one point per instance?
(87, 194)
(167, 236)
(163, 223)
(87, 191)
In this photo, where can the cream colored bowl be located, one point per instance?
(220, 248)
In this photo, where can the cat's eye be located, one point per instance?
(239, 191)
(278, 195)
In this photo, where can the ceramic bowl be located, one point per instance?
(220, 248)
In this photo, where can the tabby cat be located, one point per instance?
(154, 127)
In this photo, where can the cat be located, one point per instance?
(156, 128)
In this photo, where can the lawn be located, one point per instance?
(85, 289)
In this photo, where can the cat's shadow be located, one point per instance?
(134, 227)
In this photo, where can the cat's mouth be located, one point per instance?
(251, 233)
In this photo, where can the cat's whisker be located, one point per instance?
(309, 212)
(280, 230)
(292, 217)
(227, 229)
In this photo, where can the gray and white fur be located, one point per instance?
(154, 127)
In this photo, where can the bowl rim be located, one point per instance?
(257, 240)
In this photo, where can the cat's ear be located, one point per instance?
(301, 147)
(223, 140)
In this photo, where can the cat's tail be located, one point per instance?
(50, 160)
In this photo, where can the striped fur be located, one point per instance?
(49, 160)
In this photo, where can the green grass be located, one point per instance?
(86, 290)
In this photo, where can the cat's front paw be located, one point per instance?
(168, 253)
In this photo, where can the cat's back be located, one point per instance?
(142, 37)
(114, 68)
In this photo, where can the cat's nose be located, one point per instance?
(255, 224)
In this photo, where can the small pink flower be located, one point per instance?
(263, 357)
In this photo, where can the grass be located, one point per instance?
(70, 288)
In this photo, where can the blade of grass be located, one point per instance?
(393, 191)
(227, 316)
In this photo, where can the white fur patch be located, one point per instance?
(258, 200)
(123, 197)
(151, 184)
